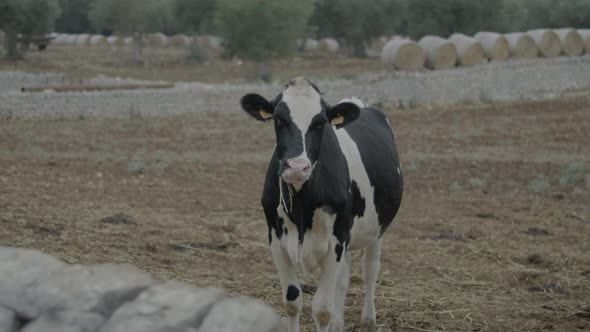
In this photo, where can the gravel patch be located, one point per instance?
(513, 80)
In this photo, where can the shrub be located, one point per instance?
(262, 29)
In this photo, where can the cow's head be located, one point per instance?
(302, 119)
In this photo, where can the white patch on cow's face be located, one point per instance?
(304, 102)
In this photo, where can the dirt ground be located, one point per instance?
(493, 233)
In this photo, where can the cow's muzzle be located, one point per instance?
(296, 171)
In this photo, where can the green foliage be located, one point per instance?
(262, 29)
(129, 16)
(194, 16)
(74, 17)
(356, 22)
(27, 17)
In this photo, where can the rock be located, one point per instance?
(112, 300)
(21, 270)
(61, 287)
(65, 321)
(84, 287)
(171, 305)
(248, 316)
(45, 295)
(8, 320)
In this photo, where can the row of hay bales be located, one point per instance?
(461, 50)
(324, 45)
(160, 40)
(155, 40)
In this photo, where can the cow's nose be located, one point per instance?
(299, 165)
(296, 171)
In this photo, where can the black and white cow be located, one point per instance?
(333, 184)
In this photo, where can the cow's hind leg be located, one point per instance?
(371, 267)
(292, 296)
(337, 321)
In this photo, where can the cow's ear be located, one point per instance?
(342, 114)
(257, 106)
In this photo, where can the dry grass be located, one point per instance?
(171, 64)
(473, 248)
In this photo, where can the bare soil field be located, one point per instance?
(493, 233)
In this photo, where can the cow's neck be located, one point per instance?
(327, 188)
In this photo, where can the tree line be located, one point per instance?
(262, 29)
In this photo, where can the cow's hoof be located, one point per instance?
(368, 326)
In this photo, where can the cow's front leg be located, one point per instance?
(290, 285)
(323, 301)
(337, 319)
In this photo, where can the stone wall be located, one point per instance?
(39, 293)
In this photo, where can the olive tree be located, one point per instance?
(262, 29)
(28, 18)
(134, 17)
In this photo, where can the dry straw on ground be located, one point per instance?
(469, 50)
(571, 41)
(521, 45)
(547, 42)
(440, 53)
(403, 54)
(494, 44)
(585, 34)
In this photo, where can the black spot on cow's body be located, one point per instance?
(358, 202)
(292, 293)
(338, 248)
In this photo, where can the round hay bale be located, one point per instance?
(60, 39)
(157, 40)
(403, 54)
(521, 45)
(82, 40)
(377, 44)
(328, 45)
(212, 45)
(547, 42)
(70, 39)
(128, 41)
(440, 53)
(98, 41)
(179, 41)
(585, 34)
(310, 45)
(571, 41)
(494, 44)
(116, 41)
(469, 50)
